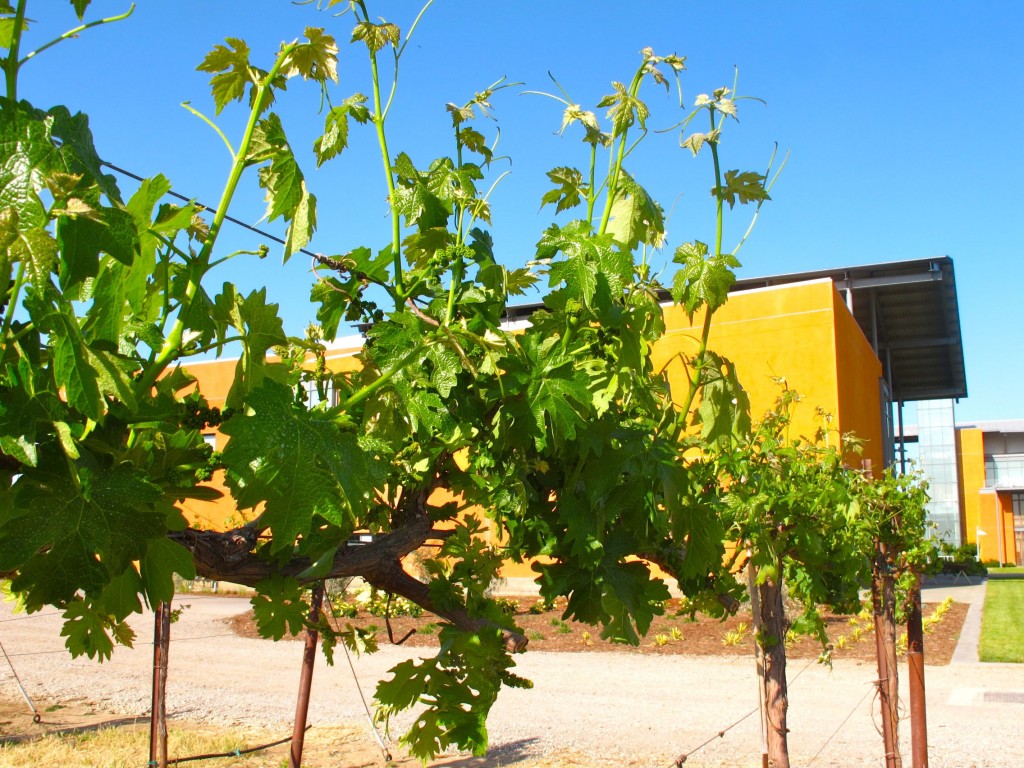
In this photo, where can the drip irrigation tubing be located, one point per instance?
(235, 753)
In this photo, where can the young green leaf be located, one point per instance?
(636, 217)
(376, 36)
(335, 136)
(231, 72)
(703, 280)
(570, 189)
(624, 109)
(286, 193)
(748, 186)
(316, 59)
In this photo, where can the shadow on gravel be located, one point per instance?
(506, 754)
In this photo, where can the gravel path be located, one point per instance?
(607, 708)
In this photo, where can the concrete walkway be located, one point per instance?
(963, 589)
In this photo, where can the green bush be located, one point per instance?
(961, 560)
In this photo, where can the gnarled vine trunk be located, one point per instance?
(773, 638)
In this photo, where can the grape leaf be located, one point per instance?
(635, 217)
(570, 190)
(414, 200)
(80, 7)
(747, 186)
(86, 631)
(26, 155)
(120, 598)
(316, 59)
(376, 36)
(591, 261)
(163, 559)
(724, 409)
(458, 686)
(38, 250)
(474, 141)
(624, 109)
(78, 152)
(335, 136)
(286, 193)
(261, 329)
(70, 532)
(231, 71)
(557, 395)
(278, 607)
(703, 280)
(631, 600)
(299, 462)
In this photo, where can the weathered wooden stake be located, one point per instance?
(158, 714)
(773, 625)
(883, 598)
(305, 680)
(915, 671)
(755, 612)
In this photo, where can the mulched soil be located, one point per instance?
(669, 634)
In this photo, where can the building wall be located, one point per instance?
(986, 502)
(971, 453)
(858, 379)
(802, 332)
(1006, 551)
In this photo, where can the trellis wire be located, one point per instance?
(867, 693)
(721, 734)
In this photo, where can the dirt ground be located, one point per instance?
(324, 746)
(672, 633)
(85, 704)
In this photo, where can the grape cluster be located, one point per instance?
(201, 416)
(215, 462)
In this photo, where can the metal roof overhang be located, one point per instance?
(908, 311)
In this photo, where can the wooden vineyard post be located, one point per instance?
(305, 679)
(915, 672)
(158, 713)
(755, 612)
(773, 627)
(883, 600)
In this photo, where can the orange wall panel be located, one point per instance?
(971, 446)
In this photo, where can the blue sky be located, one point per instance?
(903, 122)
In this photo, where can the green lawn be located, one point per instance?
(1006, 569)
(1002, 622)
